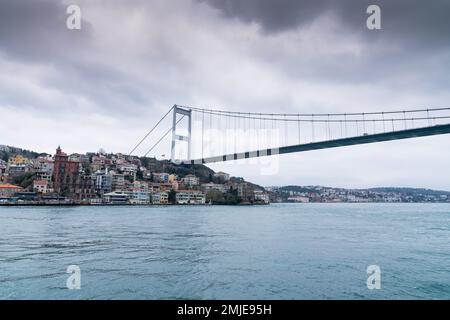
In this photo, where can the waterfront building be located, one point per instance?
(85, 187)
(301, 199)
(26, 196)
(9, 190)
(190, 197)
(65, 174)
(160, 197)
(261, 196)
(244, 190)
(140, 196)
(116, 197)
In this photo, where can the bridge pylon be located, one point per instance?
(177, 137)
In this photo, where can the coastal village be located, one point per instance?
(115, 179)
(101, 178)
(320, 194)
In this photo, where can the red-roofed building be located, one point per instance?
(8, 190)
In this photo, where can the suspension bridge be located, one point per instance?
(201, 135)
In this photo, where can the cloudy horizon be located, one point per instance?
(105, 86)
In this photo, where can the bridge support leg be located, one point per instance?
(175, 137)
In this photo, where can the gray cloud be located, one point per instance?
(36, 31)
(412, 35)
(402, 19)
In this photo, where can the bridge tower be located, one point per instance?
(176, 137)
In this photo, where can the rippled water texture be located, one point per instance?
(281, 251)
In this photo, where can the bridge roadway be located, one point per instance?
(379, 137)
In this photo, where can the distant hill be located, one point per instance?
(380, 194)
(410, 191)
(400, 190)
(7, 152)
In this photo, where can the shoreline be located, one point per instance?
(191, 204)
(121, 205)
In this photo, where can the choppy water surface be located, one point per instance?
(281, 251)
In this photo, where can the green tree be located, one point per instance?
(5, 156)
(24, 180)
(215, 196)
(139, 174)
(172, 197)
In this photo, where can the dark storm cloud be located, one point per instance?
(415, 38)
(417, 21)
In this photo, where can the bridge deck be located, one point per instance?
(387, 136)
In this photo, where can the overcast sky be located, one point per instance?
(106, 84)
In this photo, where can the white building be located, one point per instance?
(128, 169)
(301, 199)
(140, 196)
(190, 197)
(261, 196)
(116, 197)
(191, 180)
(222, 176)
(41, 186)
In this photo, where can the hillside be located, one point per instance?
(204, 173)
(293, 193)
(8, 151)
